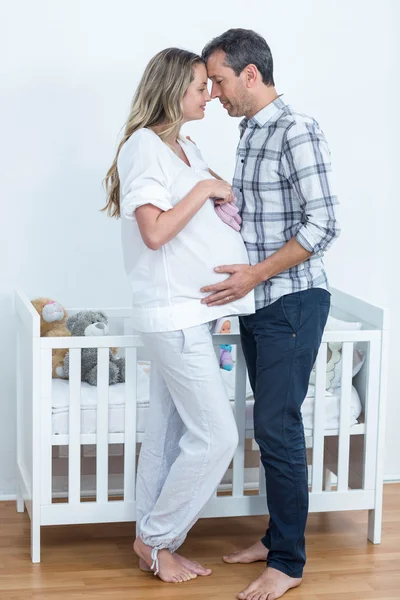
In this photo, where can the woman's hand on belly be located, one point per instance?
(242, 279)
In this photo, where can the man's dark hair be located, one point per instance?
(243, 47)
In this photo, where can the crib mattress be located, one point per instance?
(116, 413)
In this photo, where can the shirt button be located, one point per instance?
(240, 190)
(242, 160)
(293, 335)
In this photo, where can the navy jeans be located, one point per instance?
(280, 343)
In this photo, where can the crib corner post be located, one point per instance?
(375, 525)
(35, 539)
(375, 514)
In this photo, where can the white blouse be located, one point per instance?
(166, 282)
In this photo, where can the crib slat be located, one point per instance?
(371, 416)
(319, 420)
(130, 424)
(240, 415)
(102, 425)
(46, 425)
(345, 412)
(74, 450)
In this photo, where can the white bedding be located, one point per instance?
(60, 404)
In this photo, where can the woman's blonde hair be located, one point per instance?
(157, 101)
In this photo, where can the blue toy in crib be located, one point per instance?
(225, 350)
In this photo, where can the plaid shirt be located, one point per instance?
(282, 183)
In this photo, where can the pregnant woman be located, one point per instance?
(173, 237)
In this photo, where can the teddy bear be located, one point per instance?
(53, 318)
(91, 323)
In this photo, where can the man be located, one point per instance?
(283, 188)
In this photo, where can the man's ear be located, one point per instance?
(251, 75)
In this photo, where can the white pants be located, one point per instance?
(190, 439)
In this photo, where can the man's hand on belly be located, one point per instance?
(242, 279)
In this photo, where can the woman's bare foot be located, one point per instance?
(192, 565)
(252, 554)
(271, 584)
(170, 569)
(143, 566)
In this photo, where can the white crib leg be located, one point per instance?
(375, 525)
(20, 500)
(375, 517)
(35, 540)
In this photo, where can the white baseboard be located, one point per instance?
(392, 478)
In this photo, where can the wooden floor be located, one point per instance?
(90, 562)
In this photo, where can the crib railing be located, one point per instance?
(35, 438)
(352, 453)
(131, 343)
(102, 438)
(369, 418)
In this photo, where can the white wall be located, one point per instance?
(68, 73)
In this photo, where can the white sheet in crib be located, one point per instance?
(116, 413)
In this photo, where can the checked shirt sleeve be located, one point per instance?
(307, 167)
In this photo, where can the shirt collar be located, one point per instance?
(263, 116)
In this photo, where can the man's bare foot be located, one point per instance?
(252, 554)
(170, 569)
(192, 565)
(271, 584)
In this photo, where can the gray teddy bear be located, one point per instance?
(88, 322)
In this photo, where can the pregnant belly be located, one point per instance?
(191, 266)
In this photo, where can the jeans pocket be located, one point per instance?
(196, 335)
(176, 340)
(186, 336)
(325, 306)
(326, 299)
(291, 309)
(190, 335)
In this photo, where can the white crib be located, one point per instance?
(346, 463)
